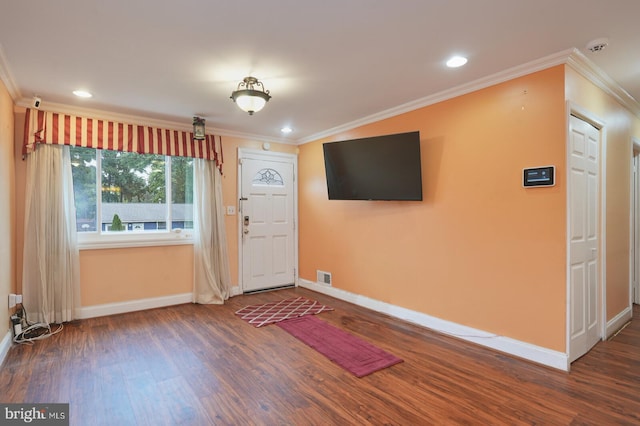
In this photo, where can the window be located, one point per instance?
(122, 197)
(268, 177)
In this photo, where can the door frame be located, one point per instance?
(589, 117)
(256, 154)
(634, 221)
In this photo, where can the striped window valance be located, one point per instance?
(64, 129)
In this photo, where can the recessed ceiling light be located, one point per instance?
(82, 94)
(286, 130)
(456, 61)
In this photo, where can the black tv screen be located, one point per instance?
(376, 168)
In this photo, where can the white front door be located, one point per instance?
(267, 219)
(583, 187)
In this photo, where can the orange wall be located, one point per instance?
(7, 250)
(116, 275)
(620, 127)
(479, 250)
(125, 274)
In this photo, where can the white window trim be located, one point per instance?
(95, 240)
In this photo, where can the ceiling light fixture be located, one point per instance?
(248, 97)
(82, 94)
(198, 128)
(456, 61)
(286, 130)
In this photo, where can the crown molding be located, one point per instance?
(500, 77)
(572, 57)
(253, 136)
(105, 115)
(7, 78)
(579, 62)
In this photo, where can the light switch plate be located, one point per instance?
(231, 210)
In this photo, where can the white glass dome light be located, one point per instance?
(249, 102)
(248, 98)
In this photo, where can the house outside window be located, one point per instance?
(130, 195)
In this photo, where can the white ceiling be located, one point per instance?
(326, 63)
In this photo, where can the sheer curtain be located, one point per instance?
(51, 271)
(212, 282)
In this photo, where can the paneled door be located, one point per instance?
(635, 214)
(585, 304)
(267, 218)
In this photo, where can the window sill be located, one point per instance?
(134, 239)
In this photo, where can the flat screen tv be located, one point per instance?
(376, 168)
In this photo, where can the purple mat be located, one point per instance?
(348, 351)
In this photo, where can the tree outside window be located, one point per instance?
(134, 187)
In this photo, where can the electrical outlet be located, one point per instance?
(12, 300)
(231, 210)
(18, 299)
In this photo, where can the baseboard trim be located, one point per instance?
(5, 345)
(617, 322)
(133, 305)
(537, 354)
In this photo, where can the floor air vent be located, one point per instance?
(324, 277)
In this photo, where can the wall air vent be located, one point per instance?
(324, 277)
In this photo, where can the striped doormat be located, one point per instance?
(269, 313)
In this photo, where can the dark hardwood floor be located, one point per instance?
(203, 365)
